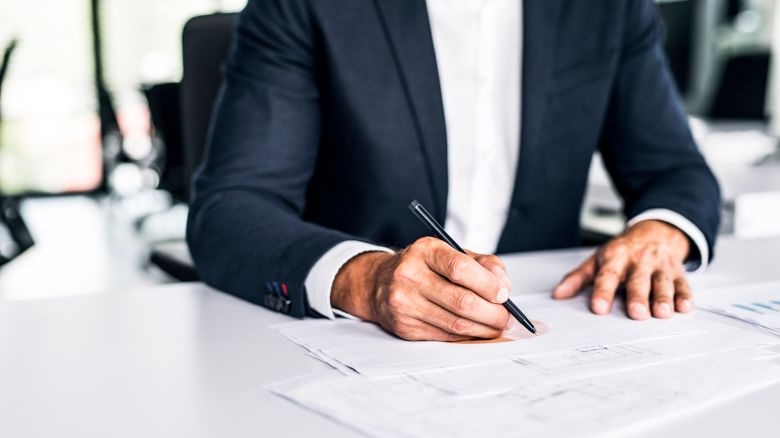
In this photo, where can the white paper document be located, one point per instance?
(567, 325)
(406, 406)
(590, 361)
(757, 304)
(585, 375)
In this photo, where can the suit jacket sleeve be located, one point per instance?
(245, 229)
(647, 145)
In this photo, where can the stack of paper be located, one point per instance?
(600, 405)
(586, 374)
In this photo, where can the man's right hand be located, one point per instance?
(427, 291)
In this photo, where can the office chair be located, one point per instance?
(205, 43)
(163, 101)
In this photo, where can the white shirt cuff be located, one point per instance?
(692, 231)
(320, 279)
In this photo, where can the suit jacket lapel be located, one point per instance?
(540, 29)
(407, 28)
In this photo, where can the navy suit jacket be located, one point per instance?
(330, 121)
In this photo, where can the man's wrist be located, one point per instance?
(354, 285)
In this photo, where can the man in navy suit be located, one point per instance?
(334, 115)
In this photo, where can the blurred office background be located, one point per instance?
(104, 106)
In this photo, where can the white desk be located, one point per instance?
(186, 361)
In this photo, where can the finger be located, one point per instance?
(452, 323)
(412, 329)
(465, 304)
(609, 275)
(663, 294)
(638, 285)
(461, 269)
(683, 297)
(575, 280)
(495, 265)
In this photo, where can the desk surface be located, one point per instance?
(91, 247)
(185, 360)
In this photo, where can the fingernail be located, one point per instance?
(664, 309)
(685, 305)
(503, 295)
(600, 306)
(638, 310)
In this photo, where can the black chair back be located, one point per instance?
(205, 43)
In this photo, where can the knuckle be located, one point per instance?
(454, 266)
(620, 248)
(608, 273)
(425, 243)
(491, 260)
(603, 294)
(604, 289)
(460, 325)
(683, 295)
(404, 271)
(661, 251)
(396, 300)
(463, 302)
(646, 254)
(683, 287)
(663, 277)
(616, 248)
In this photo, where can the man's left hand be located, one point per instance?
(648, 257)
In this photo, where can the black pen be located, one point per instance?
(439, 232)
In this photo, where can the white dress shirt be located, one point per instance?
(478, 46)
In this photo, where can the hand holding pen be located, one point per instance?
(426, 291)
(422, 214)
